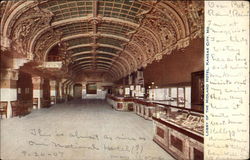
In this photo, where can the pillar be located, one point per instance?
(8, 90)
(72, 89)
(64, 92)
(38, 89)
(67, 87)
(64, 87)
(53, 93)
(59, 91)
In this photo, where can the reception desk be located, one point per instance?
(121, 103)
(141, 107)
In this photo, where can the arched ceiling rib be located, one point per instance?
(108, 26)
(121, 36)
(112, 71)
(100, 53)
(97, 58)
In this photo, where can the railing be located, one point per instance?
(54, 58)
(21, 107)
(3, 108)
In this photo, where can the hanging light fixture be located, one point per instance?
(65, 55)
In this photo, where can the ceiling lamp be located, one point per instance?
(64, 54)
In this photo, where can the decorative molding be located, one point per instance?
(18, 62)
(9, 74)
(163, 27)
(37, 80)
(5, 43)
(52, 83)
(42, 44)
(54, 65)
(26, 27)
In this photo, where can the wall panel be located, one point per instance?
(178, 66)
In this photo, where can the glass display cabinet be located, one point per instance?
(197, 91)
(179, 130)
(181, 96)
(173, 96)
(161, 111)
(185, 118)
(178, 95)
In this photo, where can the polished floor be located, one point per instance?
(79, 130)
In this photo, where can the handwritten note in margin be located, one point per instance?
(226, 80)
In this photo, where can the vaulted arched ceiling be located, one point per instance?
(112, 36)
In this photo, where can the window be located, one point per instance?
(177, 96)
(27, 90)
(19, 90)
(91, 88)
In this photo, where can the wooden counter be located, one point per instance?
(179, 141)
(121, 103)
(141, 107)
(144, 108)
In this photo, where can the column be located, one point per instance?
(38, 90)
(63, 89)
(8, 90)
(64, 92)
(59, 92)
(67, 91)
(53, 92)
(71, 89)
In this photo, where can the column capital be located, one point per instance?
(37, 80)
(5, 43)
(9, 74)
(52, 82)
(18, 62)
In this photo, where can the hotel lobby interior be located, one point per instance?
(102, 80)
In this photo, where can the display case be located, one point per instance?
(144, 108)
(197, 91)
(121, 103)
(140, 105)
(149, 111)
(179, 131)
(181, 96)
(186, 118)
(161, 111)
(130, 106)
(178, 95)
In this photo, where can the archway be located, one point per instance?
(77, 91)
(24, 93)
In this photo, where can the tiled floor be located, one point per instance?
(79, 130)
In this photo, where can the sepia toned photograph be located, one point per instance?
(102, 80)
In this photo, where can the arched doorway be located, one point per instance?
(24, 93)
(77, 91)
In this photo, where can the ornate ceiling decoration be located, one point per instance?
(112, 37)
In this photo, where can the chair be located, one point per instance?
(15, 108)
(130, 107)
(45, 103)
(21, 108)
(35, 102)
(25, 105)
(52, 100)
(29, 104)
(3, 108)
